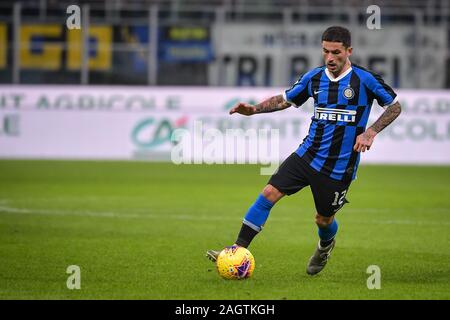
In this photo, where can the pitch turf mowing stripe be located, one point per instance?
(123, 215)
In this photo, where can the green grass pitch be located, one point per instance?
(140, 230)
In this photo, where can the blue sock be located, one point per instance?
(258, 213)
(327, 234)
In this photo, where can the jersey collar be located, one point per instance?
(333, 79)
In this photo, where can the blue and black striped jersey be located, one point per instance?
(341, 111)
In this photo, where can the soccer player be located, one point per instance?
(328, 158)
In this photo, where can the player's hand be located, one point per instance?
(364, 140)
(243, 108)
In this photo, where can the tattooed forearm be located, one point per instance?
(387, 117)
(272, 104)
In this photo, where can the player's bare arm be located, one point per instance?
(275, 103)
(365, 140)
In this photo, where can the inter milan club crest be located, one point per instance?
(349, 93)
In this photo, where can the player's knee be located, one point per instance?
(271, 193)
(323, 222)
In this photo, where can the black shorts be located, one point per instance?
(295, 173)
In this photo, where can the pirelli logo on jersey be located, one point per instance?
(335, 114)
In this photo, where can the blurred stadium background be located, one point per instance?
(164, 64)
(117, 88)
(139, 42)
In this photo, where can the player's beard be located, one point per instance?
(336, 68)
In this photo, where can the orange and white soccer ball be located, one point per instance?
(235, 262)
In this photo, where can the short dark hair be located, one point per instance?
(338, 34)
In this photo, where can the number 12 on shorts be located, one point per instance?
(339, 198)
